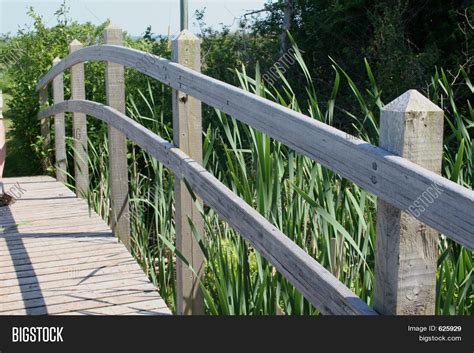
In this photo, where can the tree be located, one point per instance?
(286, 26)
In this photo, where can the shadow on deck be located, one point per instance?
(58, 257)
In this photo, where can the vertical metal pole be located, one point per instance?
(184, 14)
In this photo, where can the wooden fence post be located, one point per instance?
(187, 135)
(79, 126)
(118, 167)
(59, 129)
(44, 127)
(407, 250)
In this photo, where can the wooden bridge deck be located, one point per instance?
(57, 257)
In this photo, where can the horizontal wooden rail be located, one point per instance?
(318, 285)
(392, 178)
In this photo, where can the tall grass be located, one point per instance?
(329, 217)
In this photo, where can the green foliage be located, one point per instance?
(403, 40)
(29, 54)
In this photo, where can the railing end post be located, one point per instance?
(406, 254)
(411, 101)
(75, 45)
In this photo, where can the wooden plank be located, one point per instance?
(32, 204)
(71, 283)
(187, 135)
(59, 129)
(102, 283)
(73, 297)
(27, 207)
(39, 241)
(53, 246)
(80, 249)
(136, 308)
(26, 189)
(69, 264)
(30, 179)
(111, 299)
(80, 275)
(118, 167)
(105, 251)
(43, 194)
(34, 180)
(69, 271)
(44, 214)
(67, 220)
(391, 177)
(79, 126)
(38, 238)
(78, 225)
(407, 250)
(318, 285)
(48, 214)
(35, 244)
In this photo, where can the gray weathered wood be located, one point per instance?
(45, 132)
(187, 135)
(407, 250)
(59, 129)
(118, 167)
(61, 258)
(317, 284)
(391, 177)
(79, 126)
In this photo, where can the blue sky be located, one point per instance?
(132, 16)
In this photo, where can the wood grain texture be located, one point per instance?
(407, 250)
(187, 135)
(79, 126)
(44, 126)
(391, 177)
(65, 260)
(59, 129)
(118, 167)
(317, 284)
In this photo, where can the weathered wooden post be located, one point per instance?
(407, 250)
(45, 133)
(59, 129)
(115, 92)
(79, 126)
(187, 135)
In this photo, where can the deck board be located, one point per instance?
(59, 258)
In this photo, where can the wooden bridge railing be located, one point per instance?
(411, 127)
